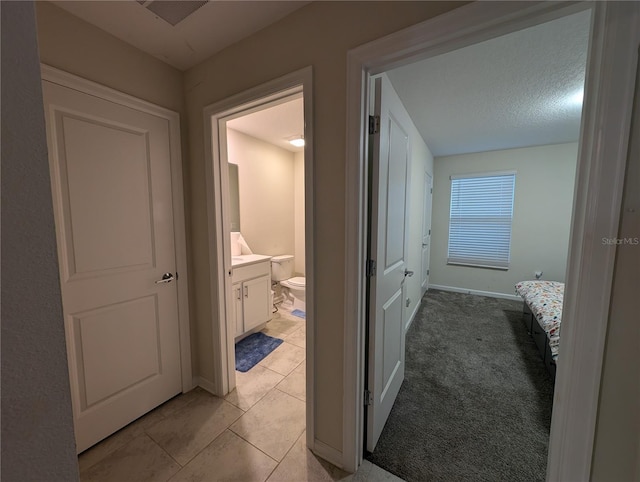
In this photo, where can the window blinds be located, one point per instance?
(480, 219)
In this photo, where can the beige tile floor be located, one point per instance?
(256, 433)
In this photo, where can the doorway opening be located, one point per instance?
(260, 183)
(460, 124)
(584, 300)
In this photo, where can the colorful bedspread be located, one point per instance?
(545, 300)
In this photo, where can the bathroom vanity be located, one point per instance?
(251, 289)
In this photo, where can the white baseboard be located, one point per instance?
(490, 294)
(413, 315)
(207, 385)
(328, 453)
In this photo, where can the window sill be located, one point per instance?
(473, 265)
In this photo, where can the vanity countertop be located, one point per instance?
(247, 259)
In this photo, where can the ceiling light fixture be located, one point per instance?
(297, 141)
(577, 97)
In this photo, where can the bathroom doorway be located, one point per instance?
(260, 225)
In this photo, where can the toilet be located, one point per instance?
(282, 272)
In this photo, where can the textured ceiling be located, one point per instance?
(276, 125)
(211, 28)
(511, 91)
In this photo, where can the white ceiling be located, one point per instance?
(276, 125)
(208, 30)
(511, 91)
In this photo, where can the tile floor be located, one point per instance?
(255, 433)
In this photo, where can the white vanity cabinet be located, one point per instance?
(251, 285)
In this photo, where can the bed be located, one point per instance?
(542, 314)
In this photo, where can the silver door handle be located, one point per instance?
(408, 273)
(246, 291)
(166, 278)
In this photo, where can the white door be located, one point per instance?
(256, 305)
(388, 248)
(426, 229)
(111, 185)
(236, 289)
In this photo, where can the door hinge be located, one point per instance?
(430, 190)
(427, 272)
(429, 232)
(371, 267)
(368, 398)
(177, 276)
(374, 124)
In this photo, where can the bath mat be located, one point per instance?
(252, 349)
(299, 313)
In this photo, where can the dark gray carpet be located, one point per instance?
(476, 401)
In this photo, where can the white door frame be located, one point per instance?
(74, 82)
(218, 226)
(609, 90)
(428, 194)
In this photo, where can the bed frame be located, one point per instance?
(540, 338)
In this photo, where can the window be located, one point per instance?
(480, 219)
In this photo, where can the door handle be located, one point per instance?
(246, 291)
(166, 278)
(408, 273)
(424, 245)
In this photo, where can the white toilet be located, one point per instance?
(282, 271)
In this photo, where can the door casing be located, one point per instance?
(426, 229)
(215, 117)
(605, 131)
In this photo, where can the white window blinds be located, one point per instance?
(480, 219)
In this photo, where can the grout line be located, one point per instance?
(273, 371)
(200, 451)
(206, 446)
(257, 448)
(288, 451)
(297, 398)
(108, 452)
(166, 452)
(292, 396)
(298, 365)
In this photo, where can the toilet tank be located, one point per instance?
(282, 267)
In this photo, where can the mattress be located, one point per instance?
(545, 301)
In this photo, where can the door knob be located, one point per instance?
(408, 273)
(166, 278)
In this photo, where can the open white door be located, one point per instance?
(112, 198)
(388, 249)
(426, 229)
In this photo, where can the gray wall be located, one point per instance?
(616, 453)
(318, 35)
(421, 162)
(75, 46)
(37, 425)
(36, 420)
